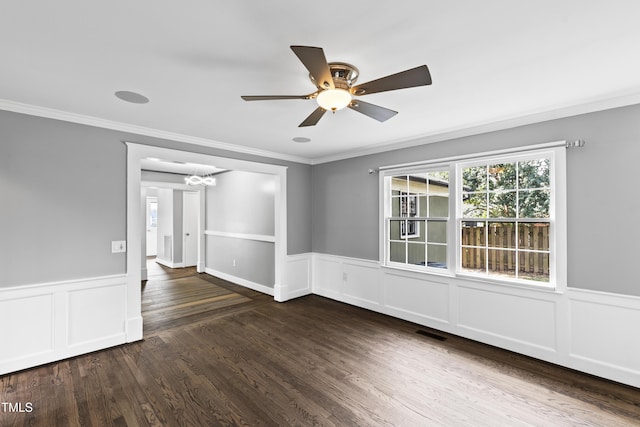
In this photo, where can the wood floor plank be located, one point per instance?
(215, 353)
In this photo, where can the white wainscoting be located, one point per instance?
(48, 322)
(594, 332)
(296, 281)
(297, 278)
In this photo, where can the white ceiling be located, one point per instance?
(491, 61)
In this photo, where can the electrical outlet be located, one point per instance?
(118, 246)
(345, 277)
(235, 264)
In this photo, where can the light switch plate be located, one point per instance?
(118, 246)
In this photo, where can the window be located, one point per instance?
(419, 213)
(493, 217)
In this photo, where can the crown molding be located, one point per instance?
(595, 104)
(591, 106)
(66, 116)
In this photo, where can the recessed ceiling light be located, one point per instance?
(301, 139)
(132, 97)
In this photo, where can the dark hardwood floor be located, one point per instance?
(218, 354)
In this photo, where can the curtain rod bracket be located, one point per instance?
(372, 171)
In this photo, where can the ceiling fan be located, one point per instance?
(335, 90)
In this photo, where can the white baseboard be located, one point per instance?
(240, 281)
(170, 264)
(593, 332)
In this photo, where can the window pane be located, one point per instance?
(502, 235)
(502, 176)
(408, 205)
(534, 174)
(533, 236)
(533, 266)
(399, 183)
(410, 229)
(415, 230)
(418, 183)
(474, 178)
(438, 206)
(502, 205)
(395, 206)
(416, 253)
(437, 256)
(397, 252)
(473, 233)
(534, 204)
(394, 229)
(440, 178)
(473, 259)
(502, 263)
(474, 205)
(423, 206)
(437, 232)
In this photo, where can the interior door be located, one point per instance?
(190, 216)
(152, 226)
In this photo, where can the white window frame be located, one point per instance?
(386, 185)
(555, 151)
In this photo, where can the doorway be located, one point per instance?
(152, 226)
(190, 228)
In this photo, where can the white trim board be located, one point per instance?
(240, 281)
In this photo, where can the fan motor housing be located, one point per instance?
(344, 75)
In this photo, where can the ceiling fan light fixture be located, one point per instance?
(333, 99)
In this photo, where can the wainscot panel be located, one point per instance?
(327, 276)
(589, 331)
(297, 278)
(54, 321)
(361, 282)
(516, 318)
(605, 333)
(27, 327)
(96, 312)
(421, 301)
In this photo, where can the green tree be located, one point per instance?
(507, 190)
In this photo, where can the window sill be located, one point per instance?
(479, 280)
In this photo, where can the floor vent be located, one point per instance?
(431, 335)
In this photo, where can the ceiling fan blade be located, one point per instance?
(313, 117)
(381, 114)
(272, 97)
(313, 58)
(418, 76)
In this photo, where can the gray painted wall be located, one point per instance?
(241, 202)
(62, 201)
(63, 198)
(602, 198)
